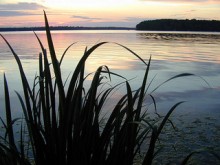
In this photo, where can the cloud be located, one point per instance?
(134, 19)
(15, 13)
(92, 23)
(180, 15)
(21, 6)
(86, 17)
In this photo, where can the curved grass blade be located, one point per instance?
(79, 68)
(41, 45)
(8, 115)
(64, 53)
(115, 74)
(131, 52)
(184, 162)
(155, 134)
(26, 87)
(174, 77)
(167, 117)
(155, 105)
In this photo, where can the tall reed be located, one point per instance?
(63, 126)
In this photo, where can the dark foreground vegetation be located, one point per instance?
(179, 25)
(62, 125)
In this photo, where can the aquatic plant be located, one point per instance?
(64, 126)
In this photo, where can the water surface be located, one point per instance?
(172, 53)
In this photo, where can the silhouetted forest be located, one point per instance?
(179, 25)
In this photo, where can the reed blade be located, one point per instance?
(8, 116)
(56, 65)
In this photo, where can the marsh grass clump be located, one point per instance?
(64, 126)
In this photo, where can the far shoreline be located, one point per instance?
(68, 28)
(59, 28)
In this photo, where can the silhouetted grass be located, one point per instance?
(63, 126)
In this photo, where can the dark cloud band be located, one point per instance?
(15, 13)
(21, 6)
(85, 17)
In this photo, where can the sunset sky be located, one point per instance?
(124, 13)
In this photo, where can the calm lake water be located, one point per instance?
(172, 53)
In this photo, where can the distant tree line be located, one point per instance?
(179, 25)
(62, 28)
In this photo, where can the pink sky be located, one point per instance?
(103, 12)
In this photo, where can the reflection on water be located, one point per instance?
(172, 53)
(183, 46)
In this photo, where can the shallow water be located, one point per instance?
(172, 53)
